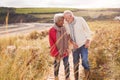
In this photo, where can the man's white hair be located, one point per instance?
(68, 12)
(57, 17)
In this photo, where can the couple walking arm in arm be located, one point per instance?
(77, 31)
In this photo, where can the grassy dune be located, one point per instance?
(28, 57)
(24, 57)
(105, 50)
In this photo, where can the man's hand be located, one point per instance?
(75, 46)
(87, 44)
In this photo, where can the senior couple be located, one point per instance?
(69, 28)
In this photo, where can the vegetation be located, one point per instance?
(40, 10)
(17, 15)
(27, 56)
(105, 50)
(24, 57)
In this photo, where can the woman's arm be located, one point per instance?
(53, 48)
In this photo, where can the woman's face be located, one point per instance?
(68, 18)
(60, 22)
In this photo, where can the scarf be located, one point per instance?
(62, 39)
(72, 31)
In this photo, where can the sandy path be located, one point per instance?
(61, 70)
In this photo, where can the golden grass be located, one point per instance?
(105, 50)
(31, 60)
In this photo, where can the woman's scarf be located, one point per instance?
(62, 39)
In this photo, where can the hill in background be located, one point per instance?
(19, 15)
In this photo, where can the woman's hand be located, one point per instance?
(67, 52)
(58, 57)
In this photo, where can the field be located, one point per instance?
(26, 57)
(40, 10)
(105, 50)
(45, 15)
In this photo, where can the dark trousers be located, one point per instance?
(66, 67)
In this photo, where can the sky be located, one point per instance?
(61, 3)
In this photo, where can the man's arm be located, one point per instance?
(88, 33)
(72, 42)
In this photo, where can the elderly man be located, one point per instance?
(58, 39)
(80, 37)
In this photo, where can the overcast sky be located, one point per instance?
(61, 3)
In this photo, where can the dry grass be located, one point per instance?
(24, 57)
(27, 57)
(105, 51)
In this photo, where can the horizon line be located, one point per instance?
(61, 7)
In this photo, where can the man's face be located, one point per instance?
(60, 22)
(69, 18)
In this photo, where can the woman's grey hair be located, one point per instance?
(57, 17)
(68, 12)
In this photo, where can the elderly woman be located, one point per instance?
(58, 39)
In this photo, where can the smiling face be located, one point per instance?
(69, 18)
(60, 22)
